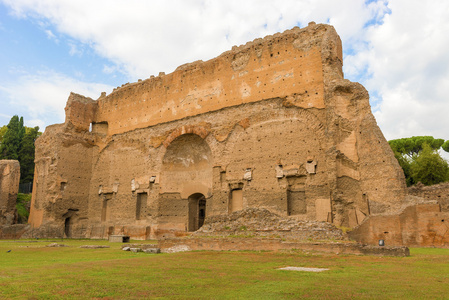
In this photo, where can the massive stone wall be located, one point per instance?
(9, 187)
(270, 124)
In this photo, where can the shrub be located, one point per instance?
(23, 207)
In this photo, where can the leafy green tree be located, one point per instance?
(429, 167)
(418, 165)
(404, 162)
(26, 154)
(9, 149)
(23, 207)
(2, 132)
(445, 146)
(17, 142)
(413, 145)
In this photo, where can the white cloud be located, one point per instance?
(51, 35)
(75, 49)
(42, 96)
(146, 37)
(5, 116)
(109, 69)
(408, 59)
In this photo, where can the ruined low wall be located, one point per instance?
(9, 187)
(238, 244)
(438, 192)
(15, 231)
(422, 225)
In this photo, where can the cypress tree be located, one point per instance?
(26, 154)
(9, 149)
(21, 129)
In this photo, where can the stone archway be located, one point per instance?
(197, 211)
(186, 181)
(69, 220)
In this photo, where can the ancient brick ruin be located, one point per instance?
(423, 220)
(270, 124)
(9, 187)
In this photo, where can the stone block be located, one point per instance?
(119, 238)
(152, 250)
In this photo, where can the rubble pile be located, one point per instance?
(262, 222)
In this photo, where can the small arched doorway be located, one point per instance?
(69, 217)
(68, 227)
(197, 211)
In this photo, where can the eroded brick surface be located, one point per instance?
(9, 187)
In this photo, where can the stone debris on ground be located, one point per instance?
(143, 248)
(177, 248)
(152, 250)
(56, 245)
(304, 269)
(262, 222)
(94, 246)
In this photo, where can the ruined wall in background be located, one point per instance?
(9, 187)
(438, 192)
(421, 225)
(63, 172)
(270, 124)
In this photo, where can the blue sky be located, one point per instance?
(29, 47)
(399, 50)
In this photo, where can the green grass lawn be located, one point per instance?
(33, 271)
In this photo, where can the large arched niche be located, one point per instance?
(274, 152)
(187, 167)
(284, 136)
(263, 146)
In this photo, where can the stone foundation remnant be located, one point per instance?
(423, 221)
(9, 187)
(273, 244)
(270, 124)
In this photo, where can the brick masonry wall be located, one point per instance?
(438, 192)
(238, 244)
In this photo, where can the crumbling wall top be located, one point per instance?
(80, 111)
(281, 65)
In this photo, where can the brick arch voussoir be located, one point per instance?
(185, 129)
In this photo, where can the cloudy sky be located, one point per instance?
(398, 49)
